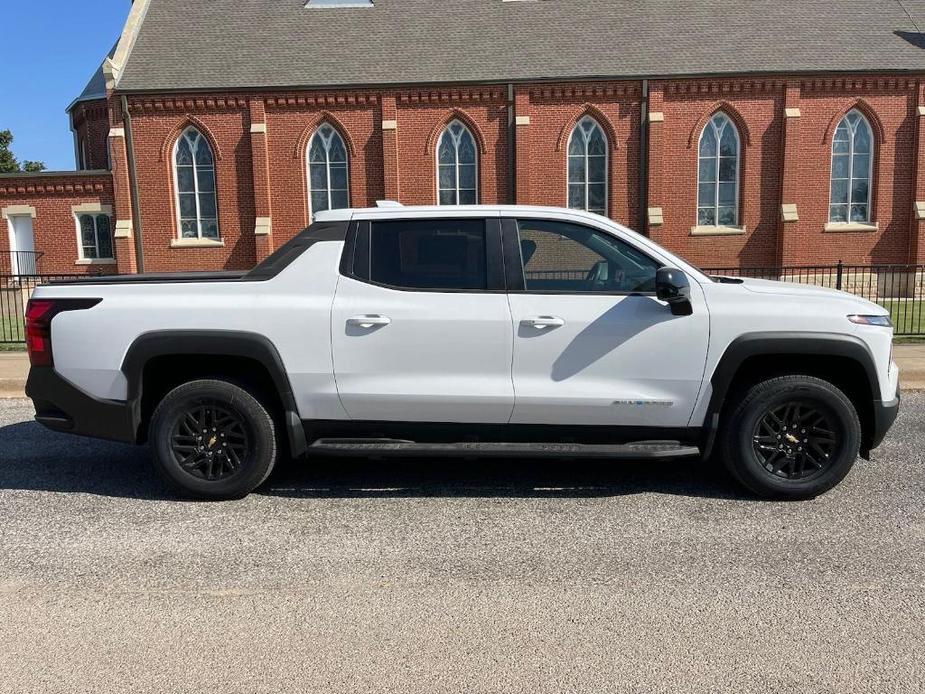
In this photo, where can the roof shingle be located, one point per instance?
(227, 44)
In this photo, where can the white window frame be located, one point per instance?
(96, 214)
(475, 147)
(176, 188)
(870, 168)
(568, 156)
(718, 158)
(327, 162)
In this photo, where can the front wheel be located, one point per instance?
(791, 437)
(212, 440)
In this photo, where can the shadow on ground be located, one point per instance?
(32, 458)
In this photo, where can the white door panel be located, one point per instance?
(422, 356)
(22, 245)
(615, 360)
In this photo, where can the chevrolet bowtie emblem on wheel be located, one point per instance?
(792, 439)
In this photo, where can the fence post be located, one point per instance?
(839, 269)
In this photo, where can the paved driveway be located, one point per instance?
(456, 576)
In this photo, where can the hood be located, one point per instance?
(811, 291)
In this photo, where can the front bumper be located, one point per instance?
(885, 413)
(62, 406)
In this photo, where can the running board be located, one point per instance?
(391, 447)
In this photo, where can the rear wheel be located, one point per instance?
(792, 437)
(213, 440)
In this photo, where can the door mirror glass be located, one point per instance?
(673, 287)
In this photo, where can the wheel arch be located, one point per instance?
(171, 357)
(843, 360)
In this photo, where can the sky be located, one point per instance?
(52, 48)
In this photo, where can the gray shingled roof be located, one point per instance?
(96, 87)
(191, 44)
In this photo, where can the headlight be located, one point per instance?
(880, 321)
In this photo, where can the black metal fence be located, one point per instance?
(898, 288)
(15, 290)
(20, 262)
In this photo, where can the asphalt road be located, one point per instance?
(456, 576)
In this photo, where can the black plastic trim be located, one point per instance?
(789, 343)
(451, 432)
(268, 269)
(219, 343)
(62, 406)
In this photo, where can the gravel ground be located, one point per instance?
(456, 576)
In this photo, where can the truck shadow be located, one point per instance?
(34, 459)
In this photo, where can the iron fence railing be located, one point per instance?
(898, 288)
(15, 290)
(20, 262)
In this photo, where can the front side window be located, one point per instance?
(328, 171)
(95, 236)
(564, 257)
(587, 167)
(457, 166)
(718, 174)
(852, 154)
(194, 176)
(442, 254)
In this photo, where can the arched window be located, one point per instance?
(718, 173)
(328, 178)
(852, 156)
(587, 167)
(457, 166)
(194, 176)
(95, 237)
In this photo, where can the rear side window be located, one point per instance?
(430, 254)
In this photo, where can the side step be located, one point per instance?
(392, 447)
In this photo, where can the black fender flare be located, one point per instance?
(219, 343)
(772, 343)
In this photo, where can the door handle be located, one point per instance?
(543, 322)
(370, 321)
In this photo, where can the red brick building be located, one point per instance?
(735, 133)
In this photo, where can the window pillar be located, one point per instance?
(390, 171)
(123, 231)
(788, 226)
(522, 113)
(917, 237)
(260, 158)
(655, 121)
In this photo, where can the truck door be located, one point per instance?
(593, 345)
(421, 326)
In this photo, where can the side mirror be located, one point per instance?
(673, 287)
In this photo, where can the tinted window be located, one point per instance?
(431, 254)
(558, 256)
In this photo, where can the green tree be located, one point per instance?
(8, 162)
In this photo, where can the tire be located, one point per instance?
(763, 441)
(212, 440)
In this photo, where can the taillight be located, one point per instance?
(39, 313)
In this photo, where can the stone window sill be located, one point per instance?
(197, 243)
(850, 226)
(717, 231)
(96, 261)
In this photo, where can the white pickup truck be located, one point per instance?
(486, 330)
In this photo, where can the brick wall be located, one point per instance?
(53, 197)
(90, 120)
(785, 125)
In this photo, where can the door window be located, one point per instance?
(437, 254)
(564, 257)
